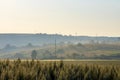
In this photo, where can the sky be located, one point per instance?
(68, 17)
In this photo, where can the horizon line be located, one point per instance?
(60, 34)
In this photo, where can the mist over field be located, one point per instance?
(56, 46)
(59, 39)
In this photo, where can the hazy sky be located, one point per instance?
(84, 17)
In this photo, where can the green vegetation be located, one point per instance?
(34, 54)
(59, 70)
(66, 51)
(80, 51)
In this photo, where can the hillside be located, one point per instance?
(43, 39)
(67, 47)
(67, 51)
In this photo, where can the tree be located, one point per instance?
(75, 55)
(29, 45)
(34, 54)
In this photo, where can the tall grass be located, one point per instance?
(57, 70)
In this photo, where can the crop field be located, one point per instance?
(59, 70)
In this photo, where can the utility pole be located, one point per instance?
(55, 47)
(97, 39)
(76, 37)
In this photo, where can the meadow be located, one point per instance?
(59, 70)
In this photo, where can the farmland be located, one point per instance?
(59, 70)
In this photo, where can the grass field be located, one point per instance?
(59, 70)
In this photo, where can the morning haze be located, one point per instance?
(84, 17)
(59, 39)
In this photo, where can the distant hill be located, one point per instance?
(67, 47)
(43, 39)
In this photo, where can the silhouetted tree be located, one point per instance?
(34, 54)
(29, 45)
(79, 45)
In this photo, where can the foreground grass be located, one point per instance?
(59, 70)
